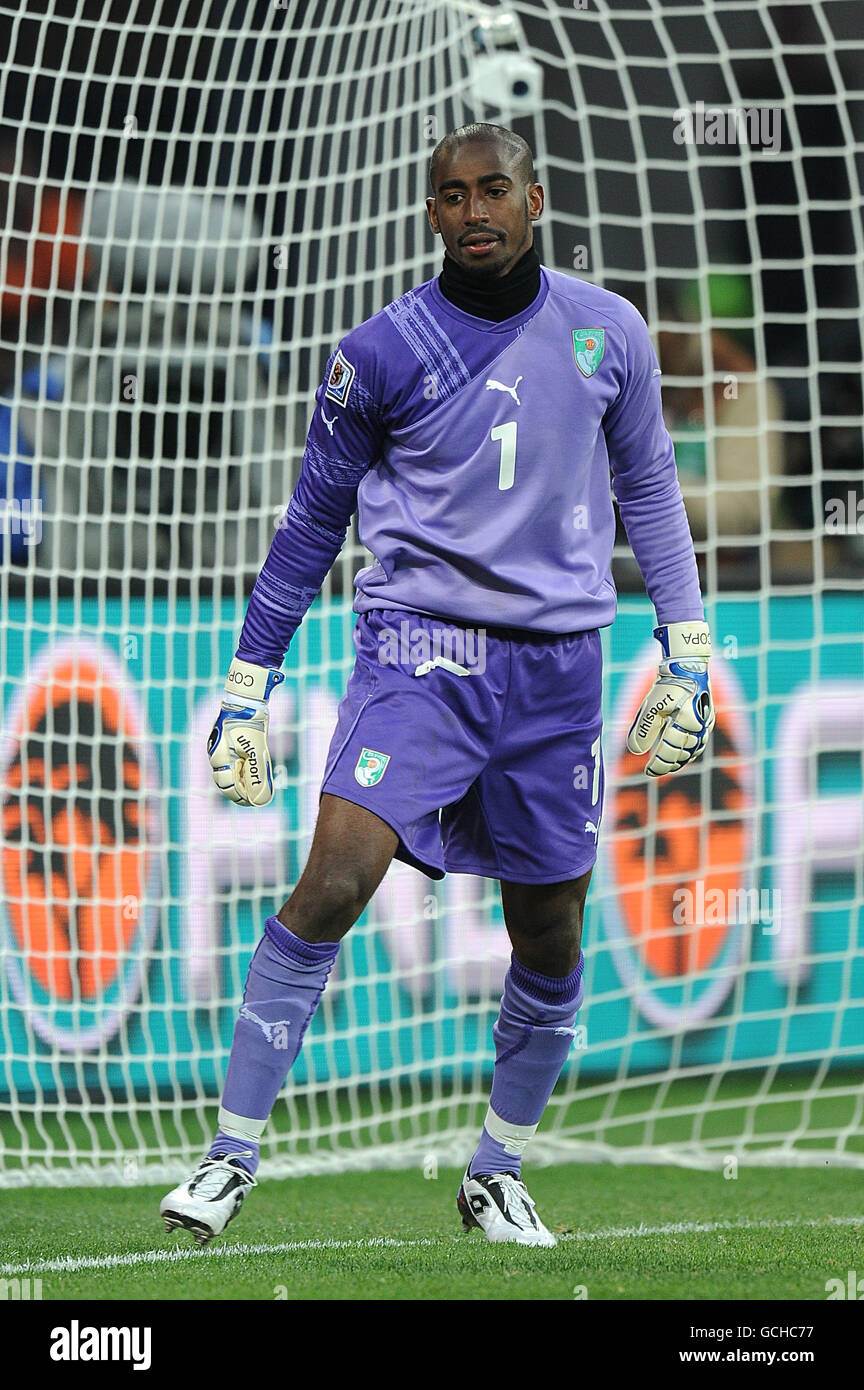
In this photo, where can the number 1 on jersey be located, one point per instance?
(507, 466)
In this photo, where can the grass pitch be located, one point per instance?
(624, 1233)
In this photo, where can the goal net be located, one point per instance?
(197, 200)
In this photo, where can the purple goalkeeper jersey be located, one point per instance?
(478, 457)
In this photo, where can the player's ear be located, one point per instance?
(536, 200)
(433, 216)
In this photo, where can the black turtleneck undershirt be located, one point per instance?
(496, 298)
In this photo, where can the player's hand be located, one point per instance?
(677, 714)
(237, 745)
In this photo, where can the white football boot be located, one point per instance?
(500, 1205)
(210, 1198)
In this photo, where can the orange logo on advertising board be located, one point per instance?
(678, 843)
(78, 839)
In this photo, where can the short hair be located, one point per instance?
(519, 149)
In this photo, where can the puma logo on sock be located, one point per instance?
(268, 1029)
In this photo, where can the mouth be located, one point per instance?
(480, 244)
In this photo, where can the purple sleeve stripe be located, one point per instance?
(297, 512)
(277, 594)
(341, 471)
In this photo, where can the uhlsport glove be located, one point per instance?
(677, 714)
(237, 745)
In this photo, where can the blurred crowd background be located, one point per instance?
(194, 205)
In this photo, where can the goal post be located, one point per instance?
(197, 203)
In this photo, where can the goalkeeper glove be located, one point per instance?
(237, 745)
(677, 714)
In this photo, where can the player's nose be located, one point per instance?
(475, 211)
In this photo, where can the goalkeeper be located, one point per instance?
(472, 424)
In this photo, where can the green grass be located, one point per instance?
(788, 1251)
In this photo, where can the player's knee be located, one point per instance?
(326, 904)
(343, 896)
(546, 932)
(551, 948)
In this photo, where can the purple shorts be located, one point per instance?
(498, 772)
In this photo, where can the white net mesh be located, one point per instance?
(197, 201)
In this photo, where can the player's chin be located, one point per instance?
(489, 263)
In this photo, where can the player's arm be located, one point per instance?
(677, 715)
(305, 546)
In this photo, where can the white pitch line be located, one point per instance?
(684, 1228)
(72, 1264)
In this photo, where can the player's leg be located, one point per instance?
(351, 850)
(534, 814)
(533, 1036)
(534, 1030)
(544, 923)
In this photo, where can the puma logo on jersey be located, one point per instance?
(266, 1028)
(589, 825)
(493, 385)
(446, 663)
(656, 372)
(328, 423)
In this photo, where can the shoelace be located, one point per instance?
(210, 1175)
(516, 1198)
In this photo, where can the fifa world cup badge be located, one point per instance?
(370, 767)
(339, 380)
(589, 345)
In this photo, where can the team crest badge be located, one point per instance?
(371, 767)
(589, 345)
(339, 380)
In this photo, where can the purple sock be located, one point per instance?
(285, 981)
(533, 1036)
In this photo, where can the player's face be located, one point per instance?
(482, 208)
